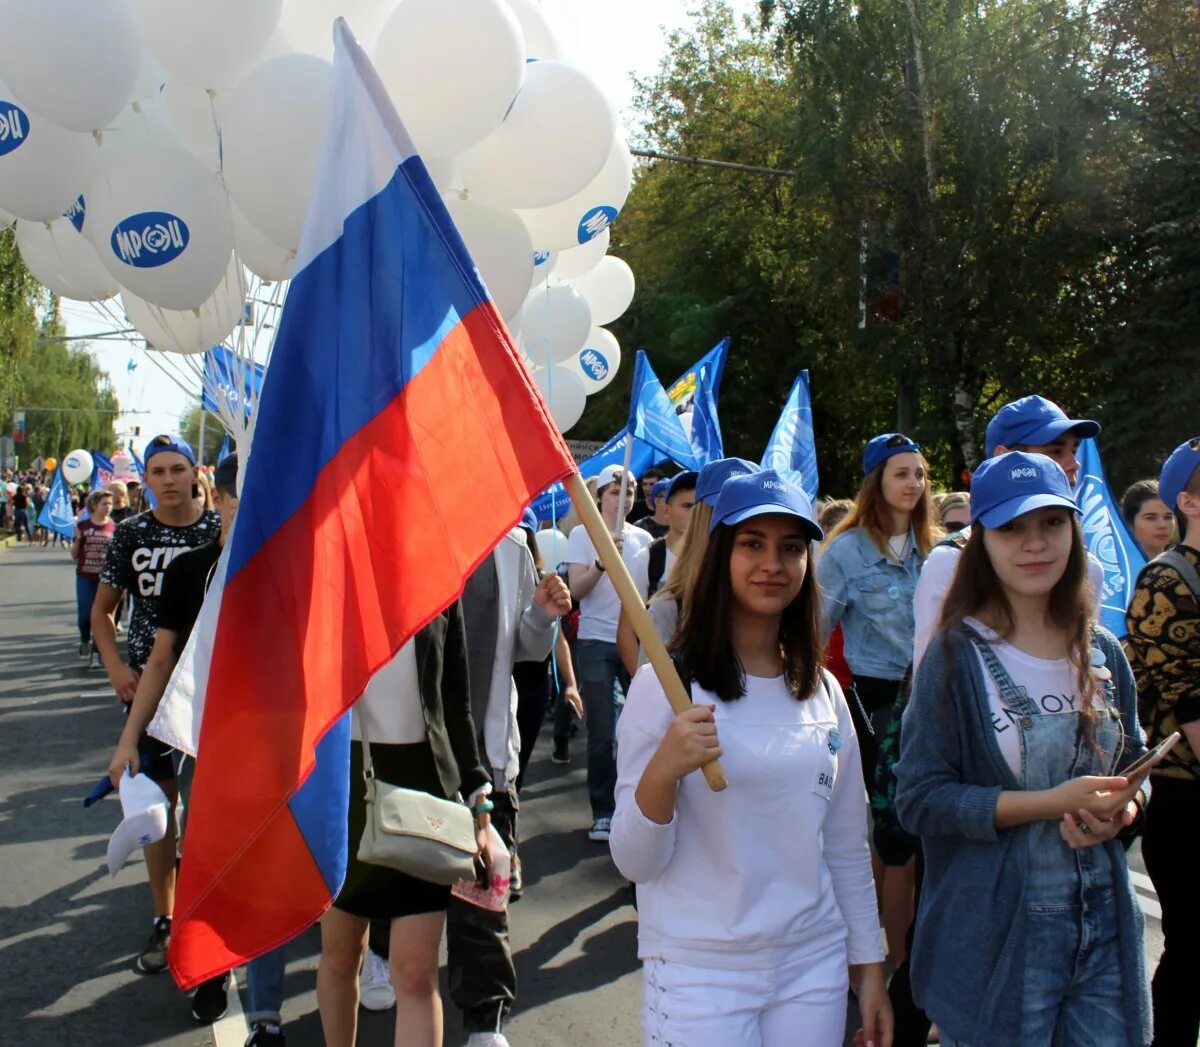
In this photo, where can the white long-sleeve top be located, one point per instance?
(776, 863)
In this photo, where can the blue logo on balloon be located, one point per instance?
(76, 213)
(14, 127)
(540, 258)
(150, 239)
(595, 222)
(592, 364)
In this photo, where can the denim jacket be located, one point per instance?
(967, 958)
(871, 594)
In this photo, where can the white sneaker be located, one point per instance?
(600, 830)
(488, 1039)
(375, 990)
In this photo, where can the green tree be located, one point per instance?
(214, 433)
(68, 400)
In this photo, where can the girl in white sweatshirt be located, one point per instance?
(756, 905)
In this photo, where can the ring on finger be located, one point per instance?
(1082, 827)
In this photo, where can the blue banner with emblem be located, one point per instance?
(58, 514)
(792, 449)
(1108, 539)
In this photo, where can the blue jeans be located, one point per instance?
(602, 683)
(85, 596)
(264, 986)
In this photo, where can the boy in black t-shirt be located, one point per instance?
(137, 559)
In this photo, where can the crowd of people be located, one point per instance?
(929, 740)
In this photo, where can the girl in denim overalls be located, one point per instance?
(1028, 932)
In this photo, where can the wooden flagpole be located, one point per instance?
(635, 611)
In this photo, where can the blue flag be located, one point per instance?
(102, 470)
(706, 428)
(652, 416)
(554, 502)
(58, 515)
(221, 368)
(792, 449)
(1107, 538)
(223, 453)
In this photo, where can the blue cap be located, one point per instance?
(1177, 471)
(658, 490)
(684, 481)
(884, 447)
(1016, 483)
(713, 476)
(761, 493)
(172, 443)
(529, 520)
(1033, 421)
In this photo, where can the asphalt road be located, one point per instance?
(69, 933)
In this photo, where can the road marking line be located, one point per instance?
(1142, 881)
(231, 1030)
(1150, 906)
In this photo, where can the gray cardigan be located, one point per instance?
(967, 969)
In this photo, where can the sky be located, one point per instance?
(609, 39)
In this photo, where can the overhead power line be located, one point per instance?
(699, 161)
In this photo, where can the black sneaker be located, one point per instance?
(266, 1034)
(211, 1000)
(561, 753)
(153, 957)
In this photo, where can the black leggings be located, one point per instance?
(871, 713)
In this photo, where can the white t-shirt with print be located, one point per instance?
(1053, 684)
(599, 610)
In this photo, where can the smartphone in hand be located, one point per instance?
(1152, 757)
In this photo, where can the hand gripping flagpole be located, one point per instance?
(635, 610)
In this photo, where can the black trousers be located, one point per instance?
(912, 1025)
(483, 978)
(532, 681)
(1172, 819)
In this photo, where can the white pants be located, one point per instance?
(801, 1002)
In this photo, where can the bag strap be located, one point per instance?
(1174, 559)
(1014, 697)
(657, 565)
(368, 764)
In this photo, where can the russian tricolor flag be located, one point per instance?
(398, 438)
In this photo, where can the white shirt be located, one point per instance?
(390, 707)
(598, 611)
(664, 614)
(775, 865)
(640, 569)
(1053, 684)
(934, 583)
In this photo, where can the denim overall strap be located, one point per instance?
(1014, 697)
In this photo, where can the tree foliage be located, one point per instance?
(68, 400)
(214, 434)
(983, 201)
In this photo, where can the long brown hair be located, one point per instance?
(685, 568)
(976, 588)
(703, 643)
(872, 514)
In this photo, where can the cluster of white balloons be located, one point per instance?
(154, 147)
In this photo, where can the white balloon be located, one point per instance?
(42, 167)
(150, 78)
(210, 44)
(73, 62)
(541, 42)
(160, 222)
(588, 213)
(307, 25)
(195, 116)
(554, 324)
(77, 467)
(552, 547)
(141, 129)
(543, 265)
(581, 259)
(63, 260)
(563, 391)
(273, 126)
(499, 245)
(608, 289)
(598, 361)
(553, 142)
(443, 171)
(190, 330)
(452, 67)
(266, 260)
